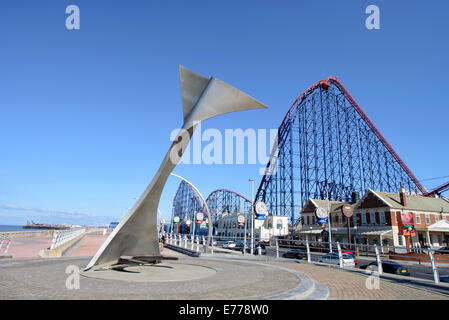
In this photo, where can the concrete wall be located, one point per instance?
(59, 251)
(25, 234)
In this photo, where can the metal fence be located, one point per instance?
(4, 245)
(64, 236)
(197, 242)
(399, 260)
(425, 263)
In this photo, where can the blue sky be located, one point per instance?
(86, 114)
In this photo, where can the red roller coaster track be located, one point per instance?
(227, 190)
(438, 189)
(369, 123)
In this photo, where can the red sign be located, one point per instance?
(408, 224)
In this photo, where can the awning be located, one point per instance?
(313, 231)
(376, 233)
(440, 226)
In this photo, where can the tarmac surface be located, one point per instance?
(232, 277)
(46, 279)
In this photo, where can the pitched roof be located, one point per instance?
(414, 202)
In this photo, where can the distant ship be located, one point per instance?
(33, 225)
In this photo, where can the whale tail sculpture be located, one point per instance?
(202, 98)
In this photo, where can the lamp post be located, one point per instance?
(194, 224)
(205, 205)
(244, 239)
(252, 215)
(172, 217)
(329, 220)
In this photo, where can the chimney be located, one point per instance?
(355, 197)
(402, 196)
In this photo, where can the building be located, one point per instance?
(377, 219)
(273, 226)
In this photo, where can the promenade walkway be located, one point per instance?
(344, 285)
(87, 246)
(27, 248)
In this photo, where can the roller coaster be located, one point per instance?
(327, 147)
(186, 204)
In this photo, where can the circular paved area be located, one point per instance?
(166, 271)
(225, 280)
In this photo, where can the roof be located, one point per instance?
(312, 204)
(414, 202)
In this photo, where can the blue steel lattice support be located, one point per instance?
(186, 204)
(326, 140)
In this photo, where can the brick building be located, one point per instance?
(377, 219)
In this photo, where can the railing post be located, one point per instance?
(197, 244)
(192, 240)
(212, 244)
(204, 244)
(7, 247)
(340, 256)
(277, 248)
(379, 261)
(436, 276)
(185, 241)
(308, 251)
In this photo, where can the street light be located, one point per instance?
(252, 215)
(244, 239)
(172, 217)
(329, 220)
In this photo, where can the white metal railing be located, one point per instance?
(4, 245)
(64, 236)
(415, 256)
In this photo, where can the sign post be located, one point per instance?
(176, 222)
(348, 211)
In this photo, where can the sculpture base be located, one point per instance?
(158, 272)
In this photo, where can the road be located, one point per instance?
(416, 270)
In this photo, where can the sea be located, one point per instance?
(6, 228)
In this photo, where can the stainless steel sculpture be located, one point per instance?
(202, 98)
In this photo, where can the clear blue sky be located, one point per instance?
(86, 114)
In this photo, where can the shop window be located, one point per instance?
(372, 218)
(418, 218)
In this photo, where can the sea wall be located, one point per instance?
(25, 234)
